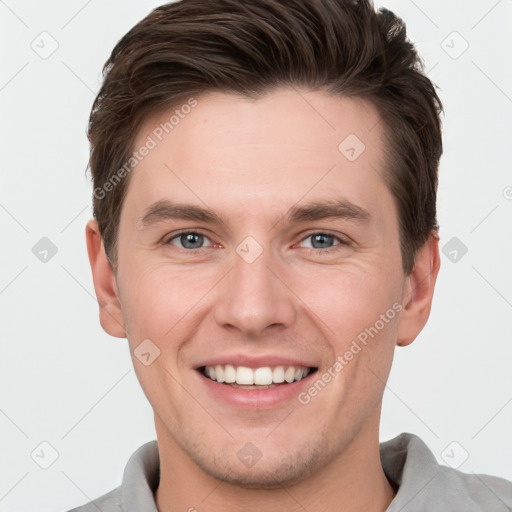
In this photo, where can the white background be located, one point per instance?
(66, 382)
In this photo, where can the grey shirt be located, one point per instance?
(422, 484)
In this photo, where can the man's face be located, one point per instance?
(267, 282)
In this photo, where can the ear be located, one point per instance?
(105, 286)
(418, 291)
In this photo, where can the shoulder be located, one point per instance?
(477, 492)
(109, 502)
(140, 480)
(424, 484)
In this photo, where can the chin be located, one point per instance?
(264, 478)
(267, 473)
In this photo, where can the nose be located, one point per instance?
(254, 297)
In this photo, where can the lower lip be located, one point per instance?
(255, 398)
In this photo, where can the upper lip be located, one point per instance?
(253, 361)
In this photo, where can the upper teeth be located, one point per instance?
(259, 376)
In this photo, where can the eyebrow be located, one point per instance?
(164, 210)
(334, 208)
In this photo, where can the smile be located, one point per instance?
(265, 377)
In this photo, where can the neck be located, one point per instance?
(353, 481)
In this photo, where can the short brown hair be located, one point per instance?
(250, 47)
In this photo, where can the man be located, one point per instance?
(265, 234)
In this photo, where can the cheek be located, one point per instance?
(364, 315)
(158, 299)
(349, 300)
(358, 313)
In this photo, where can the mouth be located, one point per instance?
(262, 378)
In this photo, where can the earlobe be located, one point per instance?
(111, 317)
(419, 291)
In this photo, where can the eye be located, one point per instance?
(189, 240)
(323, 240)
(193, 240)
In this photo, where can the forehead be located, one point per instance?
(262, 152)
(287, 116)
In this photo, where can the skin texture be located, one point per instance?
(251, 160)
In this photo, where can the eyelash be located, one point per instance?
(342, 242)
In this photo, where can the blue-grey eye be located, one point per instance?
(189, 240)
(321, 240)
